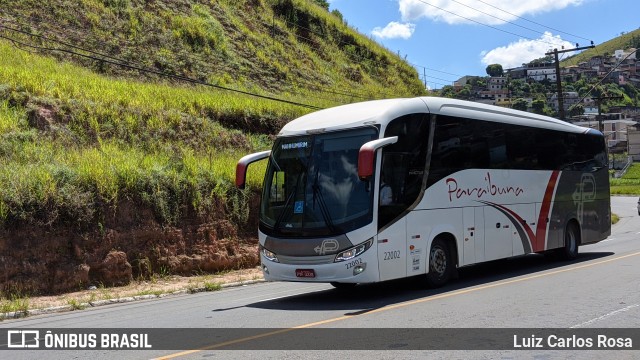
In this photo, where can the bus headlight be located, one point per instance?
(268, 254)
(354, 251)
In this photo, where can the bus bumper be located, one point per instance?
(361, 269)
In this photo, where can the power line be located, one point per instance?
(433, 77)
(440, 71)
(316, 87)
(115, 61)
(307, 40)
(487, 25)
(606, 75)
(533, 22)
(495, 17)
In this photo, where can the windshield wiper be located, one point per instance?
(285, 207)
(323, 206)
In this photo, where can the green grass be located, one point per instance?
(624, 41)
(76, 304)
(629, 184)
(77, 135)
(614, 218)
(14, 303)
(140, 141)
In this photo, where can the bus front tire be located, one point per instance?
(440, 264)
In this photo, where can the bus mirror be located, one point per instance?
(366, 156)
(243, 164)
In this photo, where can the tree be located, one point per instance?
(337, 14)
(478, 82)
(464, 93)
(494, 70)
(323, 3)
(543, 60)
(520, 104)
(448, 91)
(538, 106)
(576, 110)
(519, 88)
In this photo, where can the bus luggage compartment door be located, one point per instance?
(498, 243)
(473, 235)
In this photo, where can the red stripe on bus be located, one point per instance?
(541, 232)
(520, 222)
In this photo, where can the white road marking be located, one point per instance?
(606, 316)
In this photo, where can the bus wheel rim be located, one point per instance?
(438, 260)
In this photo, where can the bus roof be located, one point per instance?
(380, 112)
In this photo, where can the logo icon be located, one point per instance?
(585, 193)
(23, 339)
(327, 246)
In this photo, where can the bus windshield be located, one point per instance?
(312, 187)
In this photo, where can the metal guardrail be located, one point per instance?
(620, 173)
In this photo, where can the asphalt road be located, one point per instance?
(601, 289)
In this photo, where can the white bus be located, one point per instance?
(387, 189)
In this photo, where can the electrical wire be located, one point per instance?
(115, 61)
(316, 87)
(533, 22)
(607, 74)
(483, 24)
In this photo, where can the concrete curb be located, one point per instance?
(91, 304)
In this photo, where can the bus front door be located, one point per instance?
(392, 251)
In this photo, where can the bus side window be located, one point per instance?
(403, 164)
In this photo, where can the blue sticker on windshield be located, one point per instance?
(297, 207)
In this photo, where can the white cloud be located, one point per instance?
(454, 12)
(394, 30)
(523, 51)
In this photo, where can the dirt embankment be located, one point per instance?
(130, 244)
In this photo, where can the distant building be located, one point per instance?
(570, 98)
(541, 74)
(496, 92)
(463, 81)
(615, 127)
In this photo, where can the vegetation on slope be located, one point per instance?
(78, 135)
(624, 41)
(121, 122)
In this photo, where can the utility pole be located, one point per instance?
(555, 53)
(424, 74)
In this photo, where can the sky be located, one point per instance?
(448, 39)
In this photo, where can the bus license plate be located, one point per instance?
(305, 273)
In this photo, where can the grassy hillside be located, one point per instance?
(77, 132)
(121, 122)
(624, 41)
(274, 46)
(629, 184)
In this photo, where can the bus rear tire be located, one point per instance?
(440, 264)
(342, 286)
(571, 242)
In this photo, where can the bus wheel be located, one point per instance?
(440, 264)
(571, 236)
(342, 286)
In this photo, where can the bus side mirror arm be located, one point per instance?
(367, 156)
(243, 164)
